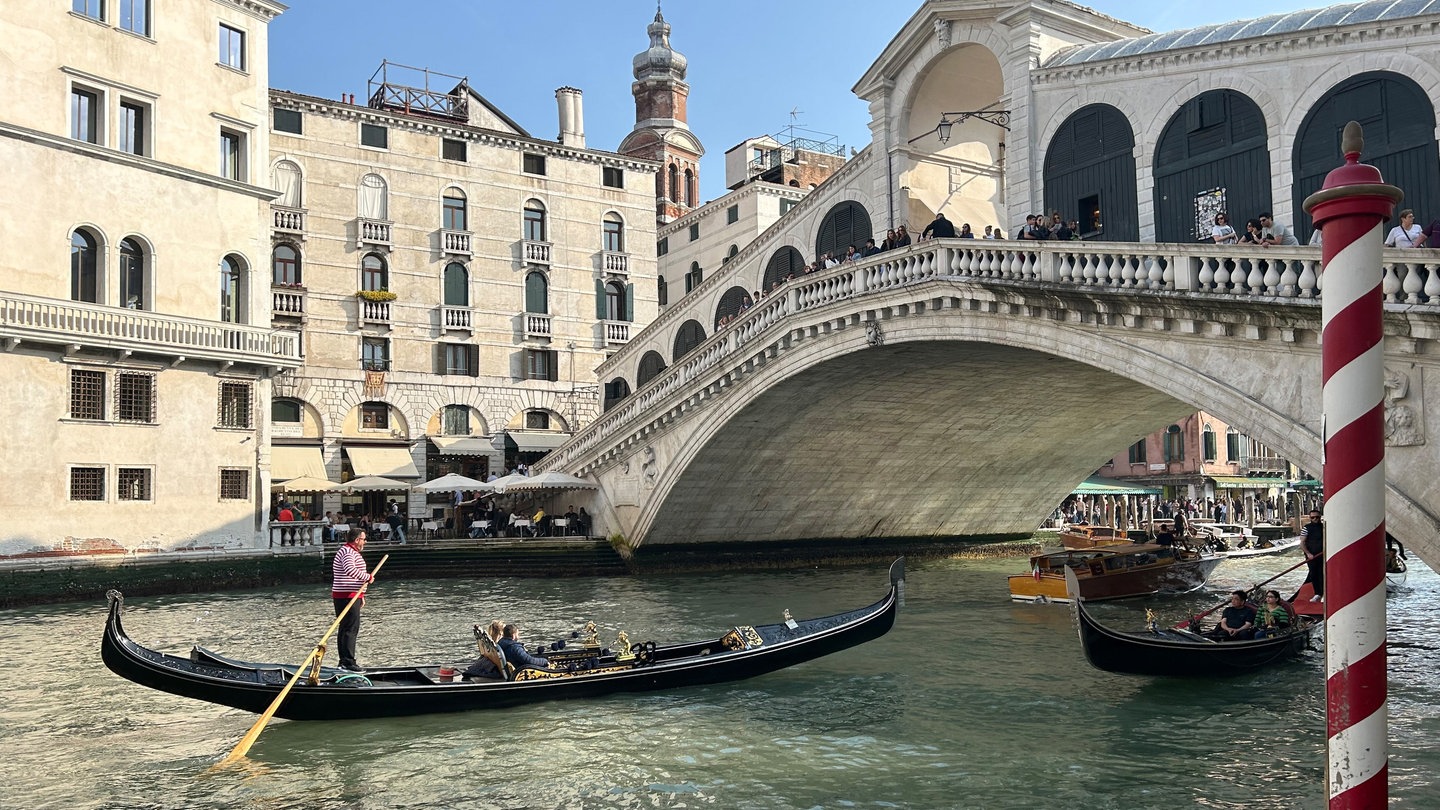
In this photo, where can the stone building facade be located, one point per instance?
(137, 348)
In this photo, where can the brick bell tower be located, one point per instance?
(660, 132)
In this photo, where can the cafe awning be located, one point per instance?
(1306, 483)
(1095, 485)
(1245, 482)
(289, 461)
(387, 462)
(462, 445)
(530, 441)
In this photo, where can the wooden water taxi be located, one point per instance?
(1113, 572)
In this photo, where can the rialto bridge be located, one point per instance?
(963, 387)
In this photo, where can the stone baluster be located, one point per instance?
(1206, 276)
(1390, 284)
(1413, 284)
(1256, 280)
(1309, 281)
(1289, 280)
(1272, 276)
(1432, 283)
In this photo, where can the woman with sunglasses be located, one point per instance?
(1222, 233)
(1272, 618)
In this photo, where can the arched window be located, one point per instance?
(285, 410)
(615, 391)
(1090, 169)
(614, 236)
(232, 289)
(285, 265)
(1207, 443)
(731, 303)
(534, 221)
(457, 285)
(1216, 141)
(373, 197)
(846, 224)
(651, 366)
(537, 294)
(731, 253)
(84, 267)
(687, 337)
(1174, 444)
(786, 262)
(455, 421)
(616, 303)
(132, 274)
(286, 179)
(662, 292)
(674, 194)
(690, 188)
(374, 273)
(694, 277)
(1233, 453)
(452, 210)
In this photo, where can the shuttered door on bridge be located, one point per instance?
(1090, 166)
(1399, 122)
(687, 337)
(1216, 140)
(650, 367)
(730, 304)
(848, 223)
(787, 261)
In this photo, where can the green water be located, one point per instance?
(970, 702)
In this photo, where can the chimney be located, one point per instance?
(572, 118)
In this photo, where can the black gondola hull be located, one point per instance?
(403, 691)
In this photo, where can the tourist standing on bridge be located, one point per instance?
(902, 237)
(1222, 233)
(1275, 233)
(1407, 234)
(348, 577)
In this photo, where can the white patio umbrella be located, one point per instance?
(502, 484)
(551, 480)
(373, 483)
(304, 484)
(452, 483)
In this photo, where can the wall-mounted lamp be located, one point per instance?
(1000, 118)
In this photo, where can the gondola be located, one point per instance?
(588, 671)
(1180, 652)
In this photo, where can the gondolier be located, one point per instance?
(348, 577)
(1312, 542)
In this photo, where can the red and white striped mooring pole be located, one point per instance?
(1353, 206)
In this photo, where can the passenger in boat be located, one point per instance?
(1237, 620)
(484, 666)
(515, 652)
(1273, 618)
(348, 577)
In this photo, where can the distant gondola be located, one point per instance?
(741, 652)
(1179, 652)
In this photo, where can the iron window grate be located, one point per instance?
(133, 483)
(235, 405)
(87, 483)
(87, 394)
(234, 485)
(135, 397)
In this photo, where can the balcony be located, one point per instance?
(455, 243)
(375, 312)
(372, 233)
(455, 319)
(25, 318)
(537, 325)
(614, 263)
(535, 252)
(287, 302)
(288, 221)
(617, 333)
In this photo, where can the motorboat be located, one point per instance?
(1114, 572)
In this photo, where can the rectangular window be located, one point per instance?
(662, 247)
(451, 149)
(452, 214)
(1232, 446)
(84, 115)
(375, 354)
(135, 397)
(1137, 452)
(133, 484)
(461, 359)
(94, 9)
(611, 177)
(540, 365)
(374, 135)
(732, 214)
(234, 485)
(236, 410)
(87, 394)
(132, 127)
(694, 231)
(537, 420)
(232, 155)
(786, 205)
(614, 236)
(87, 483)
(232, 47)
(292, 121)
(374, 416)
(534, 225)
(455, 421)
(533, 164)
(135, 16)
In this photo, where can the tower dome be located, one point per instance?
(659, 60)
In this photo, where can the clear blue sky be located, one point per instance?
(750, 65)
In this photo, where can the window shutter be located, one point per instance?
(474, 352)
(629, 302)
(440, 358)
(553, 365)
(600, 312)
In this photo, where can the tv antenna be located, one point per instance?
(795, 113)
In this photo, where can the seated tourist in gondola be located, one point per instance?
(515, 652)
(1273, 618)
(1237, 620)
(491, 663)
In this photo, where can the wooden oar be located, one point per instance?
(1226, 601)
(243, 747)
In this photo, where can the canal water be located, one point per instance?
(970, 702)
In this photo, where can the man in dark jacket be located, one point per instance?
(938, 229)
(515, 653)
(1312, 542)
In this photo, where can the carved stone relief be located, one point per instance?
(1404, 409)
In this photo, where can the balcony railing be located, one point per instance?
(288, 220)
(49, 320)
(535, 252)
(298, 533)
(614, 263)
(537, 325)
(617, 333)
(287, 302)
(377, 312)
(373, 232)
(455, 243)
(455, 318)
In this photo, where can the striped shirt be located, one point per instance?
(349, 572)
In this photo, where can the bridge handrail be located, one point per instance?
(1285, 273)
